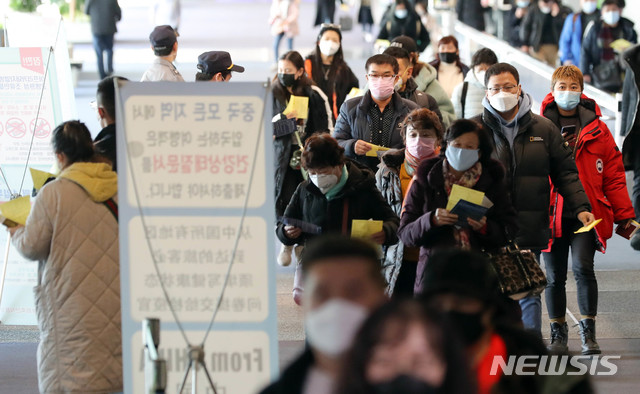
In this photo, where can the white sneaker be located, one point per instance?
(284, 257)
(368, 37)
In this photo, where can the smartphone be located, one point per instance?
(568, 130)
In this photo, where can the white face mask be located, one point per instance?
(589, 7)
(324, 182)
(461, 159)
(503, 101)
(328, 47)
(332, 326)
(611, 18)
(545, 10)
(480, 76)
(401, 14)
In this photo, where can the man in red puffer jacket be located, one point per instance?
(601, 172)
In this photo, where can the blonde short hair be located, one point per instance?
(567, 72)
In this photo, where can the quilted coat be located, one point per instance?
(75, 239)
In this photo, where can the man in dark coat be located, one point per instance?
(532, 150)
(597, 52)
(105, 141)
(343, 283)
(541, 28)
(631, 128)
(103, 14)
(376, 117)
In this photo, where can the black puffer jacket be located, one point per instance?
(359, 199)
(318, 121)
(538, 153)
(533, 25)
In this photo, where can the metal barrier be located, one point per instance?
(535, 76)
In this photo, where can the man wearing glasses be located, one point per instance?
(532, 150)
(375, 118)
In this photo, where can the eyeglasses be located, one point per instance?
(508, 88)
(375, 77)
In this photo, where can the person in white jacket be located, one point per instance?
(467, 96)
(72, 231)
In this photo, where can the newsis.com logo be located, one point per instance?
(555, 365)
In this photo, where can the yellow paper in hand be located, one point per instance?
(365, 228)
(39, 178)
(464, 193)
(354, 92)
(588, 228)
(300, 105)
(375, 149)
(620, 45)
(17, 210)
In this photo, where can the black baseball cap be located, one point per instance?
(163, 37)
(214, 62)
(405, 42)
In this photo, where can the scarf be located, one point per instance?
(469, 178)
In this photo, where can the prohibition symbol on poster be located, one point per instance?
(16, 128)
(42, 129)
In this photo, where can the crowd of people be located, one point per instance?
(413, 306)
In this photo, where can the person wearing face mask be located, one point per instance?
(426, 78)
(406, 347)
(327, 68)
(599, 61)
(601, 171)
(337, 192)
(376, 117)
(541, 28)
(532, 150)
(518, 11)
(575, 25)
(425, 221)
(451, 71)
(72, 231)
(467, 96)
(406, 85)
(462, 285)
(422, 135)
(291, 80)
(343, 285)
(402, 20)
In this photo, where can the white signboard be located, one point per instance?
(29, 111)
(186, 154)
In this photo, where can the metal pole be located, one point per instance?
(4, 268)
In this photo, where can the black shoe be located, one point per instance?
(588, 335)
(559, 338)
(635, 241)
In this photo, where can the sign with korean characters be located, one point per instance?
(31, 105)
(190, 156)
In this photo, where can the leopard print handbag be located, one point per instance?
(518, 272)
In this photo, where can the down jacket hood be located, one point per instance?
(97, 179)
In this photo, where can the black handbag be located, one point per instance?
(518, 271)
(607, 76)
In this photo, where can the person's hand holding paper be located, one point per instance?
(368, 229)
(298, 106)
(15, 212)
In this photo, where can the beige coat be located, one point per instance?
(284, 17)
(75, 239)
